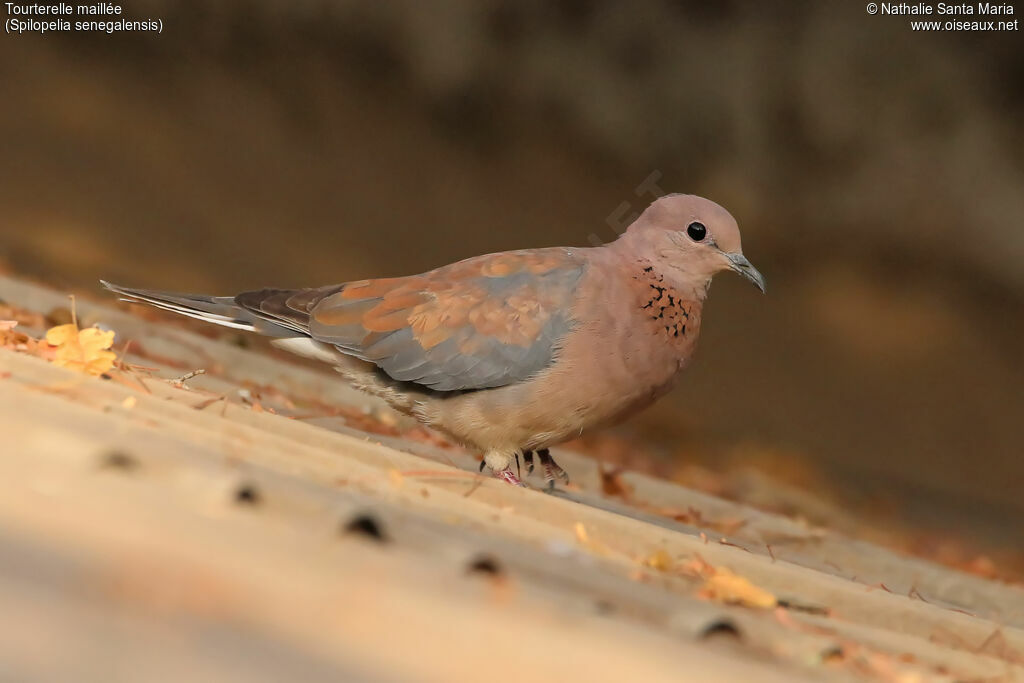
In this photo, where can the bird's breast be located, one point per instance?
(633, 338)
(628, 342)
(665, 317)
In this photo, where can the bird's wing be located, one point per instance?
(484, 322)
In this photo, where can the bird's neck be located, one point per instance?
(652, 271)
(665, 303)
(657, 302)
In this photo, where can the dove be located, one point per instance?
(510, 353)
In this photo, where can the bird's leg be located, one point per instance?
(528, 461)
(552, 470)
(500, 463)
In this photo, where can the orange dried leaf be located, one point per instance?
(21, 315)
(727, 587)
(9, 338)
(612, 483)
(697, 567)
(85, 350)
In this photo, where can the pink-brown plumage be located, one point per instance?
(517, 351)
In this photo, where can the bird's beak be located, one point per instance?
(739, 263)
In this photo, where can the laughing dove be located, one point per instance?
(514, 352)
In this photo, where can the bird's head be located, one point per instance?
(690, 238)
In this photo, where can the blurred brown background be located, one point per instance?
(877, 174)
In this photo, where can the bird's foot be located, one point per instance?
(500, 465)
(509, 477)
(552, 470)
(528, 461)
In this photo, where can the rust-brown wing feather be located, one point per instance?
(479, 323)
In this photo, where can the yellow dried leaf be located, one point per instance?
(94, 339)
(659, 560)
(83, 350)
(61, 334)
(591, 544)
(725, 586)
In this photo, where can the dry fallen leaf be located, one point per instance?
(83, 350)
(725, 586)
(591, 544)
(9, 338)
(697, 567)
(659, 560)
(612, 483)
(396, 478)
(21, 316)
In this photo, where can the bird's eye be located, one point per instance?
(696, 231)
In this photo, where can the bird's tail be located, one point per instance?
(220, 310)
